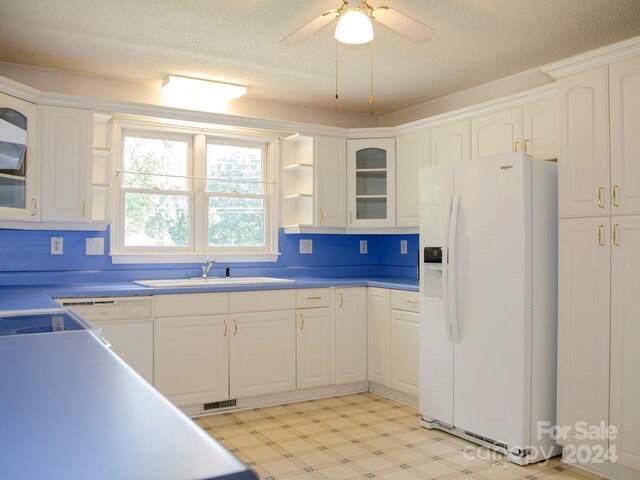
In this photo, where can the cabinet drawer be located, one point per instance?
(191, 304)
(262, 301)
(313, 297)
(407, 301)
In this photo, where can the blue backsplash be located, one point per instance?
(25, 259)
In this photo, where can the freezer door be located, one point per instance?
(492, 296)
(436, 188)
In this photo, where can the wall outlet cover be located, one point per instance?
(363, 246)
(403, 247)
(57, 246)
(306, 246)
(95, 246)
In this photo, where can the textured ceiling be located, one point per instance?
(236, 41)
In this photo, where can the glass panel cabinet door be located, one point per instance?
(371, 182)
(18, 159)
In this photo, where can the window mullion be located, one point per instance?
(200, 214)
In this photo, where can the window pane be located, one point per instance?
(244, 163)
(236, 222)
(156, 220)
(149, 155)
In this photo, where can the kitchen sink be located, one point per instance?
(210, 281)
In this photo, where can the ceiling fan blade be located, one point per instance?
(406, 26)
(309, 29)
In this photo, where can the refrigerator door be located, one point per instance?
(493, 304)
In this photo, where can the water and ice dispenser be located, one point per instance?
(432, 272)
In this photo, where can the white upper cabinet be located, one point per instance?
(19, 159)
(583, 163)
(540, 128)
(371, 184)
(624, 78)
(330, 165)
(67, 143)
(496, 133)
(450, 143)
(531, 129)
(412, 151)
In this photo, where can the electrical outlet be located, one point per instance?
(56, 246)
(403, 247)
(363, 246)
(306, 246)
(95, 246)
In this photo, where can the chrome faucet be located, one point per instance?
(206, 267)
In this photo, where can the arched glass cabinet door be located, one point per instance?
(18, 189)
(371, 184)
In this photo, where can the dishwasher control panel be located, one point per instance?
(105, 309)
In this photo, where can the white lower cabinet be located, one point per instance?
(351, 335)
(625, 338)
(314, 347)
(191, 358)
(262, 353)
(378, 312)
(403, 341)
(583, 325)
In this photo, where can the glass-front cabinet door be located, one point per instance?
(18, 159)
(371, 182)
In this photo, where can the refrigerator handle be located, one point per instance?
(451, 274)
(445, 269)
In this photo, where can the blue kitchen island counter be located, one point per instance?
(71, 409)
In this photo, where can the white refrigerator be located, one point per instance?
(488, 308)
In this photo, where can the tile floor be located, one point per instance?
(361, 436)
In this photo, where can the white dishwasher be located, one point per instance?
(126, 323)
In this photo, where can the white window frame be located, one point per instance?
(198, 249)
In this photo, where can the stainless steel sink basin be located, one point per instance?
(210, 281)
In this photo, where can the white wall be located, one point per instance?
(466, 98)
(83, 85)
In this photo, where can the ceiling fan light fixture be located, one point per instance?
(354, 27)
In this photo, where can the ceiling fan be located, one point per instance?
(360, 31)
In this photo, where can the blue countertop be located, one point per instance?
(71, 409)
(41, 297)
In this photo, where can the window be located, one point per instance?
(186, 196)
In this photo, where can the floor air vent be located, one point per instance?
(207, 407)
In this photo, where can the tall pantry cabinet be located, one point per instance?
(599, 259)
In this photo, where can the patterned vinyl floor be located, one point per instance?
(361, 436)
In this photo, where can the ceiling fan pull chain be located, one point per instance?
(371, 99)
(336, 69)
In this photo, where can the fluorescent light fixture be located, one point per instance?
(354, 27)
(202, 90)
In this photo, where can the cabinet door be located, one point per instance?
(67, 135)
(625, 135)
(583, 141)
(263, 353)
(496, 133)
(541, 128)
(20, 159)
(404, 345)
(314, 348)
(378, 313)
(583, 324)
(451, 143)
(412, 152)
(331, 181)
(625, 338)
(191, 358)
(351, 335)
(371, 183)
